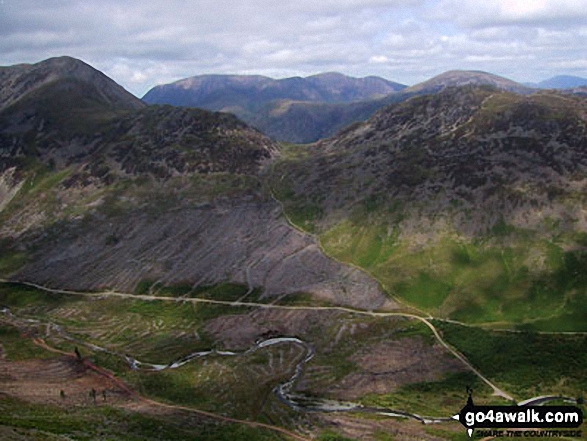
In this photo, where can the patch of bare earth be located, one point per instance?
(41, 381)
(241, 331)
(386, 366)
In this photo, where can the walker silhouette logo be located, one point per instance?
(519, 417)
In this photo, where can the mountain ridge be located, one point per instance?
(315, 88)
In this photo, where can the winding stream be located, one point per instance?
(284, 391)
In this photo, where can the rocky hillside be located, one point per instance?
(468, 203)
(453, 200)
(64, 112)
(99, 191)
(477, 147)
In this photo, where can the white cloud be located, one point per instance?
(379, 59)
(570, 64)
(476, 13)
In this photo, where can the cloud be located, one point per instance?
(379, 59)
(548, 13)
(141, 44)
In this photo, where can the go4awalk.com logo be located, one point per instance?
(521, 417)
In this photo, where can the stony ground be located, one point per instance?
(250, 244)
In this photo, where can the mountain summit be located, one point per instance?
(456, 78)
(65, 112)
(64, 74)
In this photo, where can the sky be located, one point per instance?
(142, 43)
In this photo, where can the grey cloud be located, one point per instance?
(143, 43)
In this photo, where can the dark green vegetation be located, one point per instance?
(154, 332)
(459, 203)
(33, 421)
(18, 347)
(511, 359)
(479, 281)
(435, 398)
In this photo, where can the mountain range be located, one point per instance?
(219, 92)
(293, 109)
(303, 110)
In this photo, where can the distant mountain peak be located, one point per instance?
(329, 75)
(563, 82)
(456, 78)
(64, 60)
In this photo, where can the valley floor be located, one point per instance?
(368, 361)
